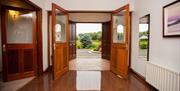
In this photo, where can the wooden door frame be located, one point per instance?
(48, 40)
(39, 57)
(117, 10)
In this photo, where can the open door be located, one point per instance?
(60, 41)
(19, 43)
(72, 40)
(106, 40)
(120, 41)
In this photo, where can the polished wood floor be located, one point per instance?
(86, 81)
(89, 64)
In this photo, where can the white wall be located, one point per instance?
(164, 52)
(91, 5)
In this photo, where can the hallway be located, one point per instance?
(87, 74)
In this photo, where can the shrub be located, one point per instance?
(78, 44)
(143, 44)
(86, 41)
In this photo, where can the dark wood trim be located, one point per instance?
(142, 79)
(48, 40)
(33, 4)
(120, 9)
(60, 8)
(16, 8)
(167, 36)
(39, 43)
(130, 39)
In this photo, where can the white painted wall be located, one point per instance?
(164, 52)
(91, 5)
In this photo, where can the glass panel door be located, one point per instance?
(19, 27)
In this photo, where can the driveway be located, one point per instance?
(87, 53)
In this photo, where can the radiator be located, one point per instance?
(161, 78)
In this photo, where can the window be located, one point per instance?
(144, 38)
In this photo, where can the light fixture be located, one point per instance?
(13, 13)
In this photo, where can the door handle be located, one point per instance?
(4, 48)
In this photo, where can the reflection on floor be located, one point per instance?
(85, 75)
(86, 81)
(14, 85)
(89, 64)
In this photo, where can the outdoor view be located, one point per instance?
(143, 41)
(88, 39)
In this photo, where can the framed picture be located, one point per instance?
(171, 19)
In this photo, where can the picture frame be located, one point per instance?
(171, 19)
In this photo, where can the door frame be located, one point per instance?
(48, 37)
(119, 9)
(92, 23)
(39, 57)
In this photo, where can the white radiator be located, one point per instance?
(161, 78)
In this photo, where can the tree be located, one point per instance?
(86, 41)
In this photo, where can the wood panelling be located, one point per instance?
(28, 60)
(13, 61)
(106, 40)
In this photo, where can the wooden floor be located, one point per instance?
(89, 64)
(86, 81)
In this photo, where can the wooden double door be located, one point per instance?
(18, 43)
(118, 41)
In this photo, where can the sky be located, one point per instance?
(88, 27)
(143, 27)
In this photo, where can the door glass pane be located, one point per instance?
(119, 27)
(19, 26)
(60, 27)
